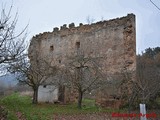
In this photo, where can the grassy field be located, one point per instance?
(22, 108)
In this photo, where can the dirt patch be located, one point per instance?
(89, 116)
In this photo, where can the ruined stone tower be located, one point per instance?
(115, 39)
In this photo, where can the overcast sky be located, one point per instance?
(44, 15)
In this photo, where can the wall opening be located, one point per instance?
(59, 61)
(77, 45)
(51, 48)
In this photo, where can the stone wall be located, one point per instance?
(114, 40)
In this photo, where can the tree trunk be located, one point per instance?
(80, 99)
(35, 95)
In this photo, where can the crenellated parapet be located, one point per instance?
(71, 28)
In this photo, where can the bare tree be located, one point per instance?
(34, 74)
(145, 87)
(11, 44)
(84, 74)
(90, 20)
(147, 78)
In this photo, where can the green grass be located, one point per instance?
(16, 103)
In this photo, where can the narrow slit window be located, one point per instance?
(51, 48)
(77, 45)
(59, 61)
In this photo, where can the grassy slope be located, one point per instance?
(21, 106)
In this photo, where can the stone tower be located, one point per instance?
(115, 39)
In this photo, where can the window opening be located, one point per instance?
(77, 45)
(51, 48)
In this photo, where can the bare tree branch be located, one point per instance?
(12, 45)
(84, 73)
(154, 4)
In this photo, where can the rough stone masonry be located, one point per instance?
(115, 39)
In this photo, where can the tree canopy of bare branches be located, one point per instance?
(12, 45)
(33, 74)
(84, 74)
(148, 74)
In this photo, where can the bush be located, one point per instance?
(16, 99)
(153, 104)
